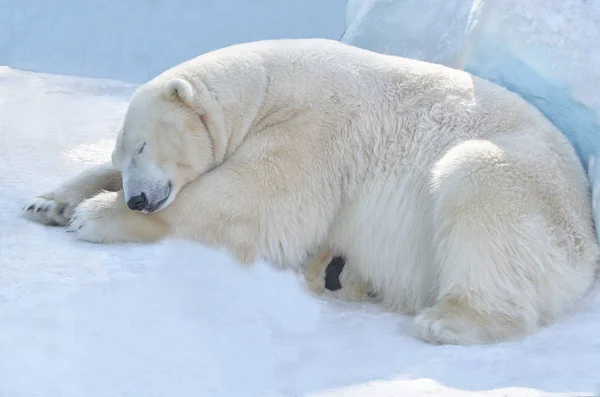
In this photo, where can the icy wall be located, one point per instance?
(548, 51)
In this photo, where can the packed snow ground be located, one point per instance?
(180, 319)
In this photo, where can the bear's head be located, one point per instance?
(169, 138)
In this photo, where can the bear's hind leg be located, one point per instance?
(507, 260)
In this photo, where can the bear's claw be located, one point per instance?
(47, 211)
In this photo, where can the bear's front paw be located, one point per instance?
(97, 220)
(49, 210)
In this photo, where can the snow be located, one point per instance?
(135, 40)
(181, 319)
(545, 50)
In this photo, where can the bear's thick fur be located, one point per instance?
(450, 197)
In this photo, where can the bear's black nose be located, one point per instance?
(138, 203)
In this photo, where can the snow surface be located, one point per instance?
(134, 40)
(180, 319)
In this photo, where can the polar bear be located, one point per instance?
(451, 198)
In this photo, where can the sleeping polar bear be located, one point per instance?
(450, 197)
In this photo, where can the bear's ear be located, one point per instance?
(181, 89)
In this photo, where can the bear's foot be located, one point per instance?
(56, 207)
(105, 218)
(49, 210)
(92, 221)
(455, 322)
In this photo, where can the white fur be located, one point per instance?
(451, 197)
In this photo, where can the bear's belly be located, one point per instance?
(386, 237)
